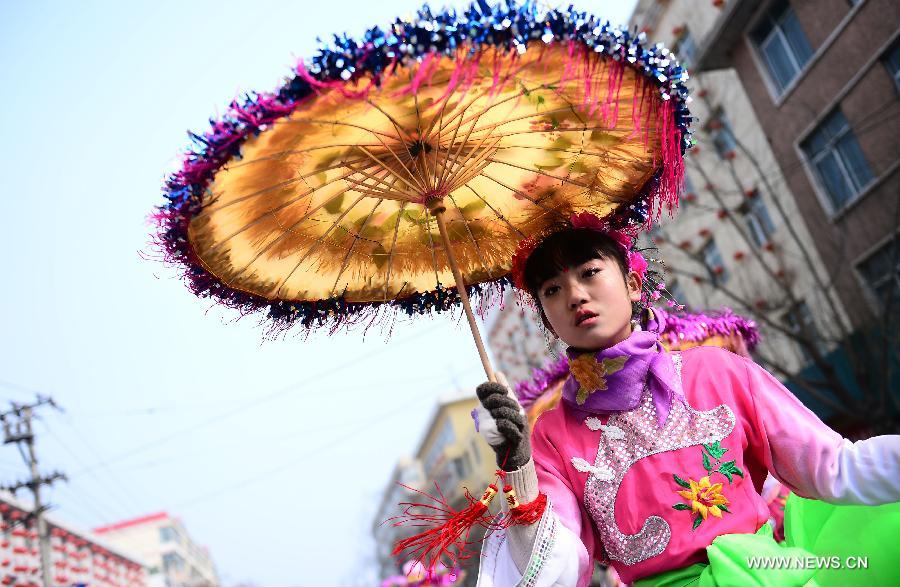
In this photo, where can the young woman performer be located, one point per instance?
(654, 461)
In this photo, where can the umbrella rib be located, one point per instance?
(266, 248)
(348, 124)
(459, 109)
(315, 245)
(465, 170)
(281, 154)
(396, 124)
(356, 239)
(544, 173)
(524, 195)
(387, 279)
(397, 157)
(523, 117)
(472, 237)
(484, 110)
(499, 216)
(210, 209)
(389, 190)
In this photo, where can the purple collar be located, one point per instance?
(612, 379)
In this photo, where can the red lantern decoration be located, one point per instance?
(718, 270)
(730, 155)
(751, 193)
(690, 197)
(678, 31)
(738, 256)
(723, 213)
(718, 3)
(780, 274)
(702, 94)
(704, 232)
(769, 246)
(760, 304)
(685, 244)
(698, 279)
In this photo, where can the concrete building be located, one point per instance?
(738, 239)
(408, 472)
(823, 78)
(452, 455)
(168, 549)
(77, 556)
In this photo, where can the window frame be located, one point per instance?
(764, 63)
(831, 149)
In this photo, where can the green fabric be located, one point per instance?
(728, 565)
(829, 533)
(846, 532)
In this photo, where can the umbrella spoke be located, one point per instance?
(209, 209)
(472, 238)
(315, 246)
(356, 239)
(563, 180)
(396, 124)
(397, 175)
(390, 262)
(281, 154)
(524, 195)
(499, 216)
(347, 124)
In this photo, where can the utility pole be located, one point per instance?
(17, 429)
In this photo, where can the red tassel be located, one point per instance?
(450, 529)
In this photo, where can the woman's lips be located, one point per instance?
(588, 321)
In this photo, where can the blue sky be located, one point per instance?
(273, 453)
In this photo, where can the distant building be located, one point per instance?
(77, 556)
(823, 78)
(164, 543)
(408, 472)
(517, 344)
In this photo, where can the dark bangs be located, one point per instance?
(569, 248)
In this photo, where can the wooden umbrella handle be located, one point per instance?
(437, 210)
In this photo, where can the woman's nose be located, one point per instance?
(577, 297)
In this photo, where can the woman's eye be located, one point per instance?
(590, 271)
(551, 290)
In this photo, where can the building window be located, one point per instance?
(168, 534)
(834, 152)
(722, 136)
(799, 318)
(685, 48)
(444, 438)
(172, 561)
(892, 63)
(757, 219)
(712, 258)
(881, 270)
(782, 44)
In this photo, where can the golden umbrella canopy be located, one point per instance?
(389, 162)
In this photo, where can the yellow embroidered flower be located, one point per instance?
(591, 373)
(705, 498)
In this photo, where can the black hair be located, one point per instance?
(569, 248)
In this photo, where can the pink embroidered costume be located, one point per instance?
(648, 486)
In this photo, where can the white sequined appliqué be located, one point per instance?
(585, 467)
(613, 432)
(642, 437)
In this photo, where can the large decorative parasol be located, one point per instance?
(399, 171)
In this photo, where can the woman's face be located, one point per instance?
(589, 306)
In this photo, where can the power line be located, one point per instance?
(247, 405)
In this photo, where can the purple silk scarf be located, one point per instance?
(612, 379)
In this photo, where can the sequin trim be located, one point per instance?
(585, 467)
(544, 541)
(684, 427)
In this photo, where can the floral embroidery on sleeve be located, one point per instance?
(704, 497)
